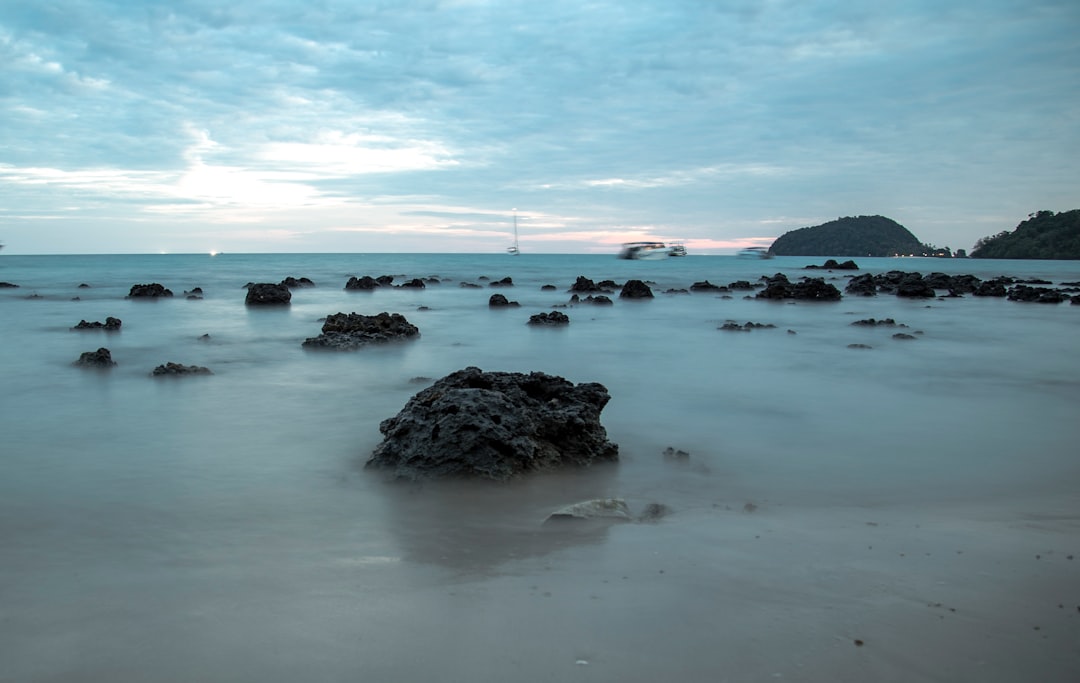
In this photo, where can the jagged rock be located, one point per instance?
(365, 283)
(810, 289)
(101, 358)
(267, 294)
(741, 285)
(995, 287)
(831, 264)
(599, 299)
(732, 326)
(150, 291)
(584, 285)
(607, 509)
(862, 285)
(870, 322)
(505, 282)
(1039, 295)
(177, 369)
(350, 331)
(415, 283)
(705, 286)
(497, 300)
(635, 289)
(110, 325)
(495, 425)
(553, 318)
(913, 286)
(295, 283)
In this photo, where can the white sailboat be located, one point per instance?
(514, 250)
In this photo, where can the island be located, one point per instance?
(855, 236)
(1044, 235)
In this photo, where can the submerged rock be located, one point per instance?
(150, 291)
(177, 369)
(350, 331)
(495, 425)
(101, 358)
(496, 300)
(610, 509)
(268, 294)
(553, 318)
(110, 325)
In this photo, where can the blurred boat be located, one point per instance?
(644, 251)
(755, 252)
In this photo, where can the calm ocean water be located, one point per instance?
(223, 528)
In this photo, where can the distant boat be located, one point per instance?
(755, 252)
(514, 250)
(644, 251)
(678, 249)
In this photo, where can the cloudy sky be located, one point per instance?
(421, 125)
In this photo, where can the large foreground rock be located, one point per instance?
(495, 425)
(268, 294)
(349, 331)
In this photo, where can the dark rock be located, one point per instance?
(904, 336)
(914, 287)
(1039, 295)
(599, 299)
(831, 264)
(553, 318)
(495, 425)
(150, 291)
(995, 287)
(295, 283)
(870, 322)
(177, 369)
(676, 291)
(110, 325)
(267, 294)
(505, 282)
(859, 346)
(810, 289)
(548, 288)
(608, 285)
(473, 285)
(584, 285)
(365, 283)
(732, 326)
(101, 358)
(635, 289)
(497, 300)
(415, 283)
(350, 331)
(385, 280)
(705, 286)
(8, 285)
(83, 286)
(196, 291)
(742, 285)
(862, 285)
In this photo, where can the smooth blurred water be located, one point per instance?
(147, 521)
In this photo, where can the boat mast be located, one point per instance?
(514, 249)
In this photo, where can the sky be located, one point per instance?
(146, 126)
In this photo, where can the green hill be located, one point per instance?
(1044, 235)
(853, 236)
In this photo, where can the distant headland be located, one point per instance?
(1044, 235)
(855, 236)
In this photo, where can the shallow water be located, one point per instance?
(223, 527)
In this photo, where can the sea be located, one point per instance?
(842, 489)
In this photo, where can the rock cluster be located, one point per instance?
(110, 325)
(150, 291)
(553, 318)
(177, 369)
(268, 294)
(350, 331)
(495, 425)
(809, 289)
(101, 358)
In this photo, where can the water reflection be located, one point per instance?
(475, 526)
